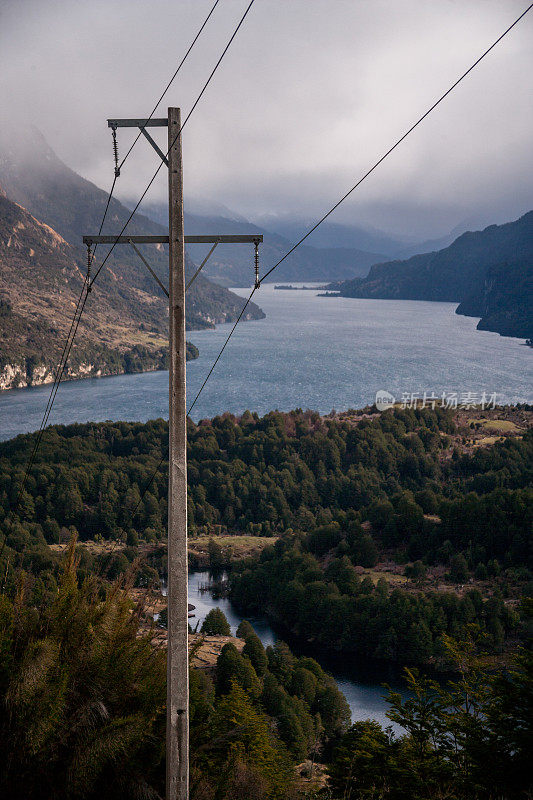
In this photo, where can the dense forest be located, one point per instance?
(83, 689)
(468, 739)
(337, 495)
(334, 608)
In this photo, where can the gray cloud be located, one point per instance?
(311, 93)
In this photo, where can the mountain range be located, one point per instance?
(45, 208)
(488, 272)
(232, 265)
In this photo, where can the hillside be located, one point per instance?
(40, 281)
(45, 208)
(486, 272)
(232, 265)
(33, 176)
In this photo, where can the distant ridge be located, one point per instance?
(488, 272)
(231, 265)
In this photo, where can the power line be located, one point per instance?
(150, 183)
(165, 456)
(63, 360)
(57, 379)
(156, 173)
(61, 365)
(331, 210)
(111, 191)
(108, 203)
(217, 359)
(354, 187)
(248, 300)
(171, 81)
(118, 167)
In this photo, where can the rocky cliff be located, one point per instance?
(40, 281)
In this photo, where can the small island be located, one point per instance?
(290, 288)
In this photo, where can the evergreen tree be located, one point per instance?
(216, 624)
(255, 651)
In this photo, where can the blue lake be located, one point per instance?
(310, 352)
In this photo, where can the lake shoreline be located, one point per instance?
(305, 354)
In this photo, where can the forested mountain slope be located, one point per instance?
(485, 271)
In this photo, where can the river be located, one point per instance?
(361, 681)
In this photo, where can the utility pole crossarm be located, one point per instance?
(210, 239)
(138, 123)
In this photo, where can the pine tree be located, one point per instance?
(216, 624)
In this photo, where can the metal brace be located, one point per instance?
(148, 267)
(154, 144)
(202, 265)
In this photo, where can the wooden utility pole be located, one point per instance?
(177, 754)
(177, 651)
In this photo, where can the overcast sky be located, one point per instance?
(311, 93)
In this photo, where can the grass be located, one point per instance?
(502, 425)
(242, 546)
(486, 440)
(390, 577)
